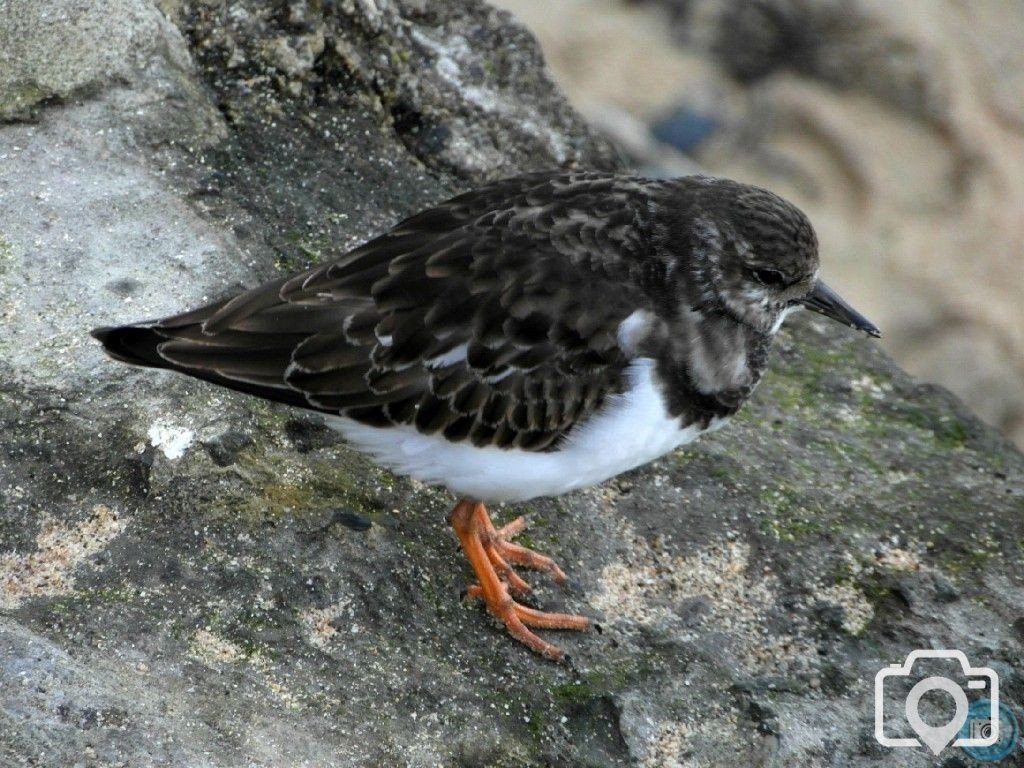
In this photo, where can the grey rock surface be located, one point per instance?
(186, 575)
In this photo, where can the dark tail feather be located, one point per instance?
(135, 344)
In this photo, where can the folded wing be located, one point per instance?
(491, 318)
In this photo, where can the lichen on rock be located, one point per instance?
(61, 549)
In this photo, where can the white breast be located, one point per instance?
(631, 429)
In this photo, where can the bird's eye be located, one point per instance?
(769, 276)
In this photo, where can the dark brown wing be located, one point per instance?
(492, 317)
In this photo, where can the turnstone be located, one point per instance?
(536, 335)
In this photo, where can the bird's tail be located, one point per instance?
(135, 344)
(253, 361)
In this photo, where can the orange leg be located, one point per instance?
(484, 546)
(500, 549)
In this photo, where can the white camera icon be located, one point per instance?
(937, 738)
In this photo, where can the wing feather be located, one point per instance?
(491, 318)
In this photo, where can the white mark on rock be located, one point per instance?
(171, 439)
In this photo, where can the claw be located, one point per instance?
(488, 552)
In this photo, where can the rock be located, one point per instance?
(54, 50)
(684, 128)
(89, 46)
(463, 88)
(633, 138)
(225, 447)
(174, 594)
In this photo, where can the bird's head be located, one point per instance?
(754, 255)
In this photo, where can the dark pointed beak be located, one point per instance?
(827, 302)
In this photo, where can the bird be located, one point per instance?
(536, 335)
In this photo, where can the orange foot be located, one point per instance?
(489, 553)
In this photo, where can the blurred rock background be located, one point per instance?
(899, 127)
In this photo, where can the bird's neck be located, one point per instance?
(709, 365)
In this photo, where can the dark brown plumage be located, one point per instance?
(531, 274)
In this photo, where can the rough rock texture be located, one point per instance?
(193, 578)
(79, 54)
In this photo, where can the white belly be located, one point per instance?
(631, 429)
